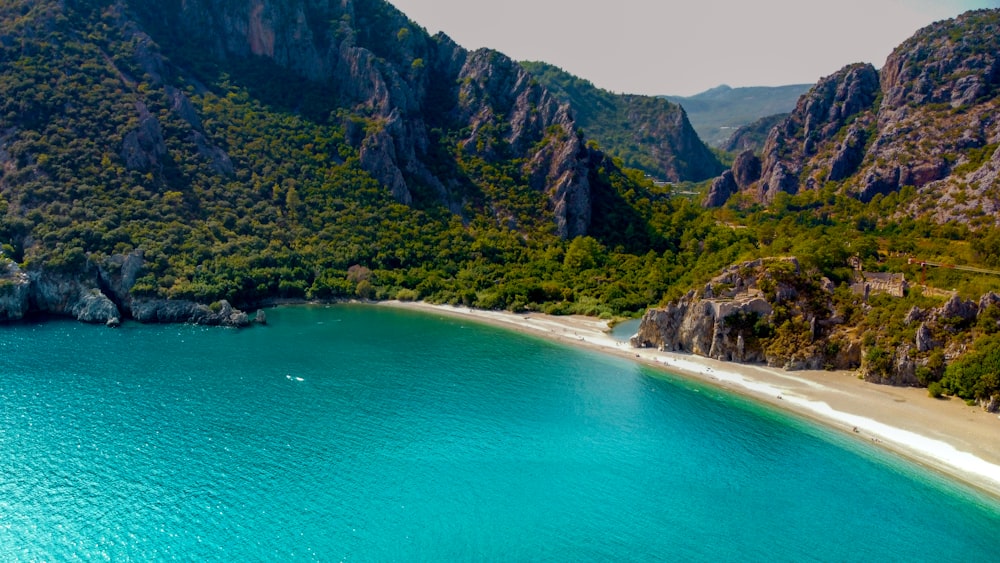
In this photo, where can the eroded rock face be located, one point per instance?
(818, 117)
(171, 311)
(724, 320)
(914, 123)
(721, 190)
(101, 294)
(745, 171)
(407, 83)
(65, 295)
(14, 291)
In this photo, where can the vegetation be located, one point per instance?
(717, 113)
(243, 182)
(647, 133)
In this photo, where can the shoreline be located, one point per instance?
(946, 436)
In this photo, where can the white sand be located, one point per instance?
(945, 435)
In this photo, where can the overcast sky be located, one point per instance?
(683, 47)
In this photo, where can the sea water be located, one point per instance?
(363, 433)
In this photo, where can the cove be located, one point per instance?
(352, 432)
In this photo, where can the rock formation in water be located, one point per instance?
(102, 295)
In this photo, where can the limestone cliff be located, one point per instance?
(14, 289)
(379, 64)
(764, 311)
(101, 294)
(926, 120)
(775, 312)
(648, 133)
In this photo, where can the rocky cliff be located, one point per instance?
(765, 311)
(927, 120)
(647, 133)
(751, 137)
(775, 312)
(406, 84)
(102, 294)
(250, 148)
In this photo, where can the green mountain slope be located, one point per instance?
(647, 133)
(717, 113)
(158, 158)
(204, 150)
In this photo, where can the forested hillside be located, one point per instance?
(161, 154)
(249, 151)
(647, 133)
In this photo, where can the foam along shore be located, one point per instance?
(945, 435)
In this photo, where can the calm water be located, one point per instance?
(367, 434)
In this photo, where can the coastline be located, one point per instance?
(944, 435)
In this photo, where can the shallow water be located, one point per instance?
(361, 433)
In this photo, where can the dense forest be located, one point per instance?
(241, 178)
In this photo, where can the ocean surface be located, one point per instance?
(362, 433)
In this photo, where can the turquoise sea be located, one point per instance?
(363, 433)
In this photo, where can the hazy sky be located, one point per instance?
(686, 46)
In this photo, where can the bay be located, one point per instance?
(354, 432)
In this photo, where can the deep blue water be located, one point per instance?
(362, 433)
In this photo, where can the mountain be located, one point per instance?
(926, 122)
(889, 181)
(647, 133)
(752, 137)
(178, 161)
(201, 150)
(717, 113)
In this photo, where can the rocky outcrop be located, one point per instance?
(771, 311)
(404, 83)
(721, 190)
(746, 169)
(733, 319)
(702, 327)
(170, 311)
(942, 328)
(60, 294)
(744, 172)
(144, 147)
(753, 136)
(102, 294)
(14, 290)
(926, 120)
(795, 144)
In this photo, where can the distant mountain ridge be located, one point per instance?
(647, 133)
(718, 112)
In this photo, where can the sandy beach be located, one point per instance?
(945, 435)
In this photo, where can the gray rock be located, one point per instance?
(261, 317)
(915, 315)
(958, 308)
(95, 307)
(15, 290)
(925, 340)
(144, 147)
(746, 169)
(722, 189)
(850, 153)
